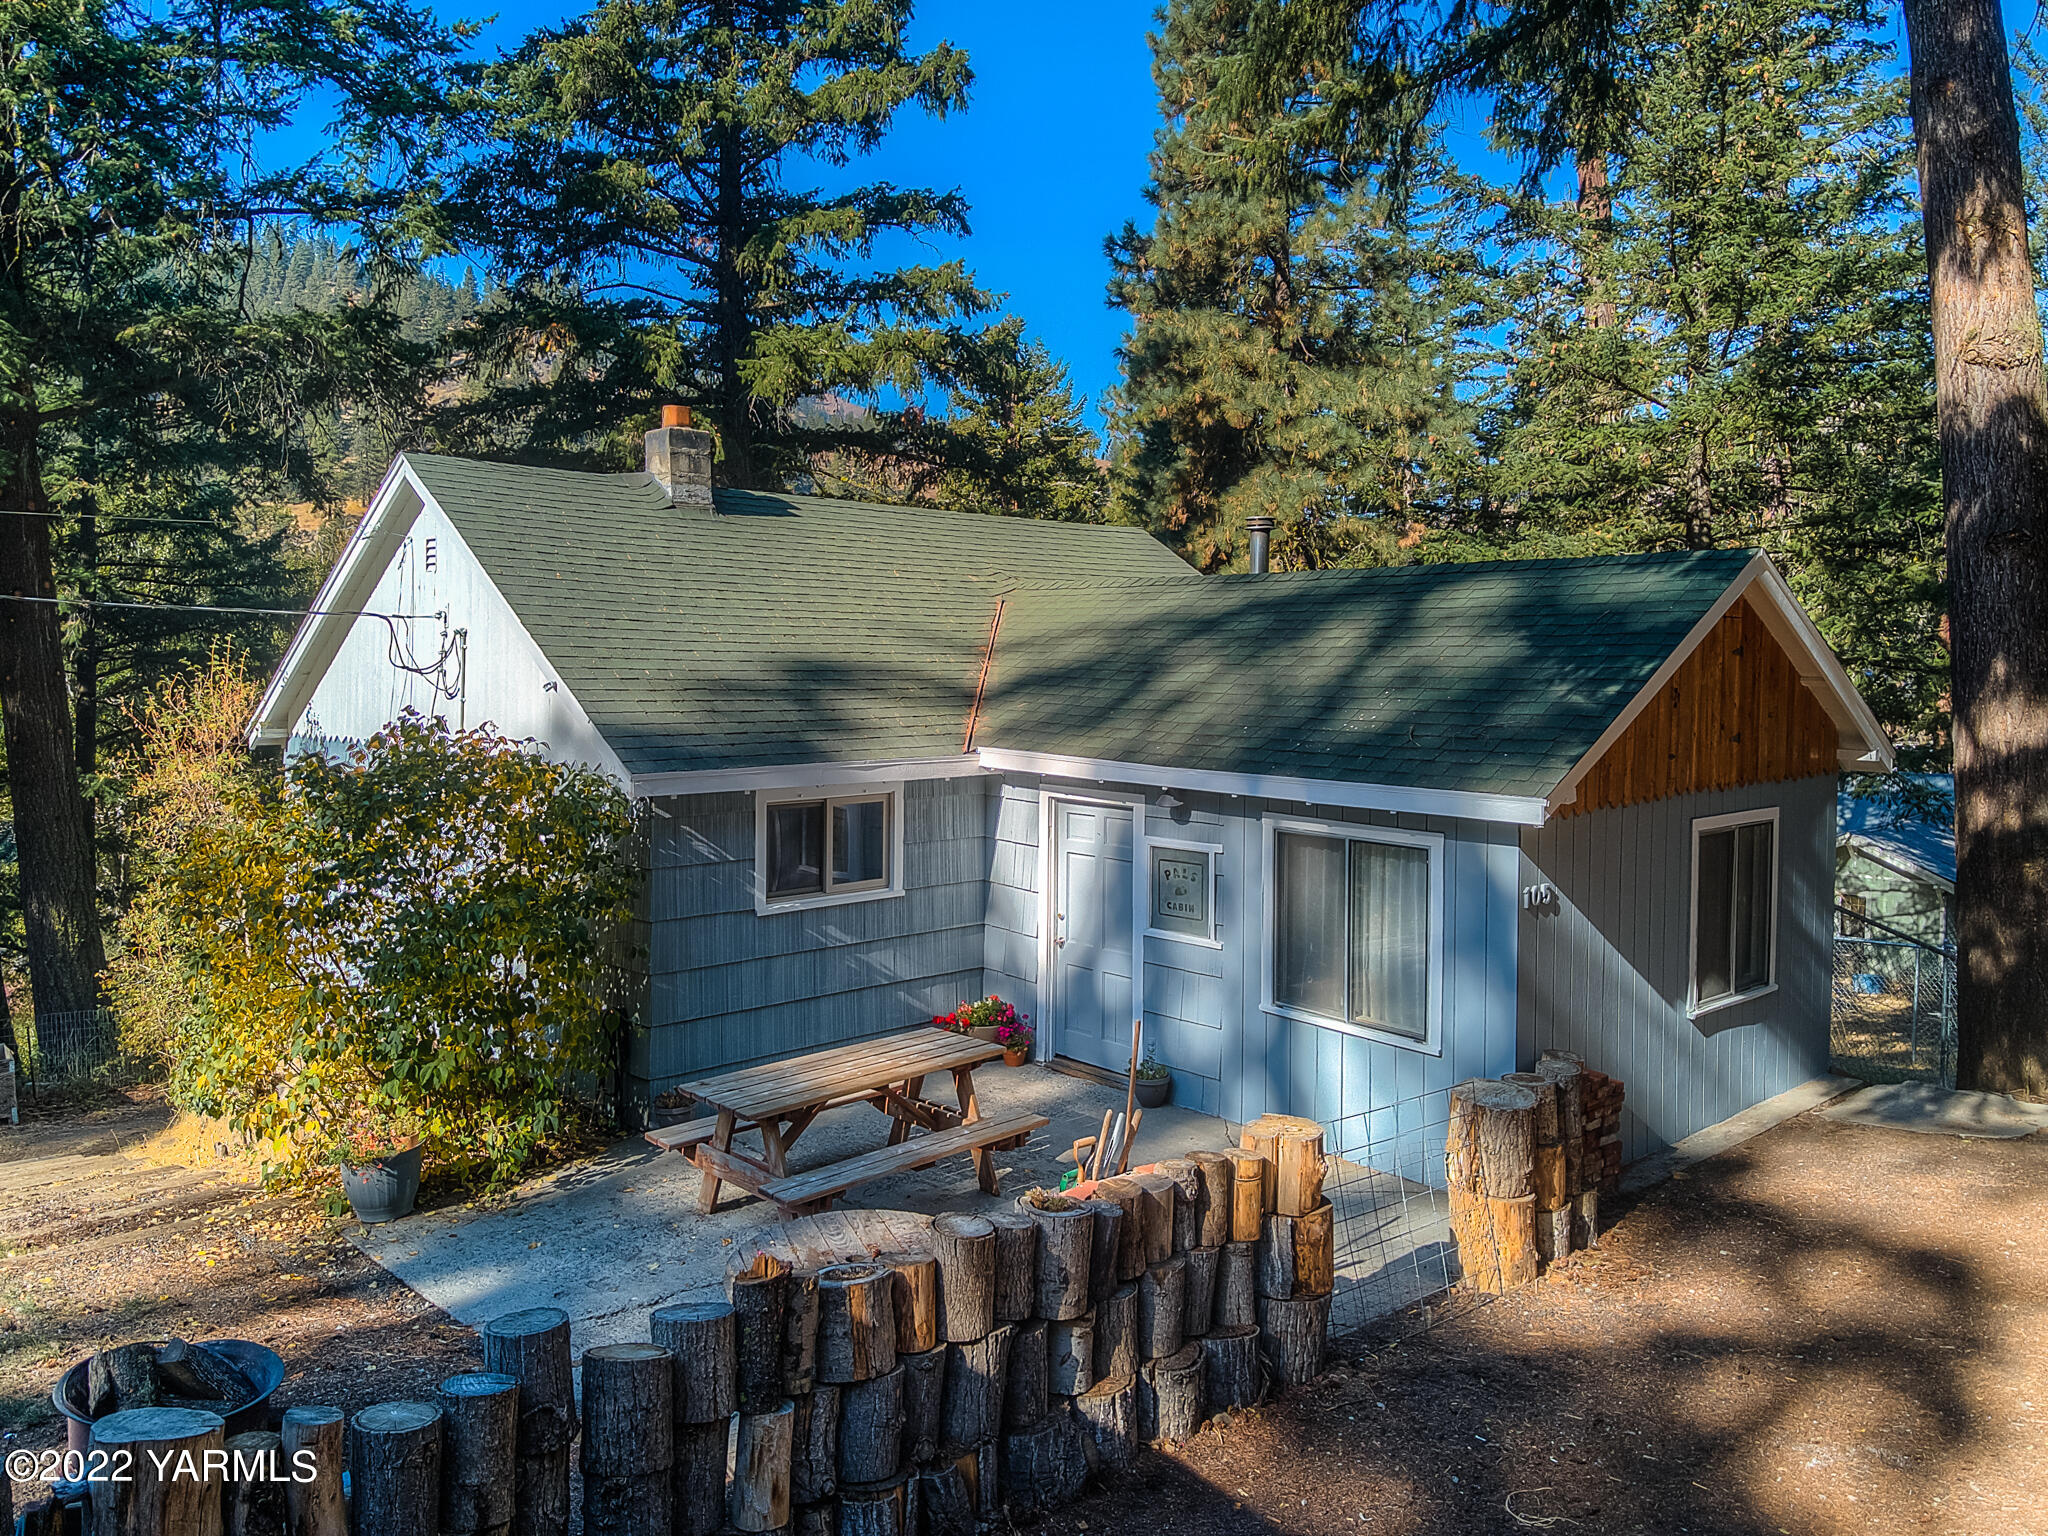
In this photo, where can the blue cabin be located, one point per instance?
(1343, 838)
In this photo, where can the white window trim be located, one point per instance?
(1432, 1043)
(1695, 1008)
(765, 905)
(1147, 842)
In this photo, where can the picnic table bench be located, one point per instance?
(780, 1100)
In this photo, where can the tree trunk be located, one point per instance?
(814, 1440)
(1066, 1245)
(1070, 1356)
(1212, 1206)
(703, 1338)
(1162, 1303)
(1187, 1201)
(253, 1501)
(1247, 1195)
(1170, 1396)
(154, 1500)
(1105, 1252)
(761, 1469)
(628, 1440)
(1161, 1195)
(1016, 1264)
(1027, 1385)
(924, 1398)
(1566, 1079)
(1490, 1178)
(1236, 1286)
(1992, 408)
(1200, 1311)
(758, 1302)
(1232, 1373)
(871, 1428)
(479, 1441)
(856, 1322)
(532, 1347)
(914, 1297)
(966, 1250)
(1297, 1256)
(315, 1507)
(394, 1471)
(1295, 1333)
(52, 829)
(800, 1332)
(1043, 1465)
(1298, 1178)
(1108, 1414)
(945, 1501)
(876, 1509)
(697, 1476)
(1130, 1234)
(974, 1391)
(1596, 212)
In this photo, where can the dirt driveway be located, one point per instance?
(1829, 1329)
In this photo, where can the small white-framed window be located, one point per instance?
(1354, 929)
(819, 847)
(1180, 900)
(1734, 954)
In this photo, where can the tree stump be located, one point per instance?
(871, 1428)
(965, 1247)
(815, 1520)
(696, 1477)
(1066, 1243)
(1027, 1387)
(1236, 1301)
(1187, 1200)
(628, 1439)
(1298, 1174)
(814, 1446)
(1130, 1232)
(799, 1332)
(1212, 1204)
(1490, 1172)
(759, 1320)
(914, 1297)
(856, 1323)
(1567, 1075)
(479, 1450)
(1295, 1331)
(703, 1336)
(924, 1400)
(944, 1498)
(1016, 1264)
(1044, 1465)
(1161, 1194)
(1298, 1255)
(253, 1503)
(759, 1500)
(1162, 1306)
(1103, 1253)
(975, 1372)
(532, 1347)
(1550, 1168)
(1233, 1375)
(315, 1507)
(1170, 1396)
(1247, 1195)
(1070, 1352)
(1586, 1219)
(1554, 1233)
(155, 1500)
(876, 1509)
(1116, 1335)
(394, 1470)
(1108, 1415)
(1200, 1309)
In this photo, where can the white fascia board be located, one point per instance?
(714, 781)
(321, 632)
(1812, 660)
(1517, 810)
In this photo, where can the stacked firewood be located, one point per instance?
(173, 1374)
(1523, 1171)
(1602, 1096)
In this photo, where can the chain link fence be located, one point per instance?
(1893, 1017)
(55, 1052)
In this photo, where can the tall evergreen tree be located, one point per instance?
(641, 196)
(1293, 349)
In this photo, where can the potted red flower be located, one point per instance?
(1015, 1038)
(981, 1019)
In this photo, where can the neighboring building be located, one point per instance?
(1345, 837)
(1895, 860)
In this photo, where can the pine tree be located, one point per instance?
(1293, 350)
(642, 199)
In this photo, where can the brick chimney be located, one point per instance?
(680, 458)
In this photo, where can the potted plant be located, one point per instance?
(981, 1019)
(1015, 1038)
(670, 1108)
(380, 1168)
(1155, 1082)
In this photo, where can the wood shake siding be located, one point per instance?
(1734, 713)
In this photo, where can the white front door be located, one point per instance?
(1092, 916)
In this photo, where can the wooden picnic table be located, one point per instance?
(780, 1100)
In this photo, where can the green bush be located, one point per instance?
(418, 941)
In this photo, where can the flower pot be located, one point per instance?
(259, 1362)
(660, 1119)
(985, 1032)
(1154, 1091)
(385, 1189)
(1016, 1056)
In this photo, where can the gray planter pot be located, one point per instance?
(383, 1190)
(1154, 1091)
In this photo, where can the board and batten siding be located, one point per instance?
(1203, 1006)
(727, 986)
(1604, 967)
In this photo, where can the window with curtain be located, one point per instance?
(1735, 880)
(1352, 930)
(836, 845)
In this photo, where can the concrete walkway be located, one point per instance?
(1933, 1111)
(611, 1239)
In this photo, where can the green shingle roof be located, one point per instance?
(1493, 678)
(797, 629)
(781, 629)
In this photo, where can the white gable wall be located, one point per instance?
(505, 682)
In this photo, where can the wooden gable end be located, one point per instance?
(1734, 713)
